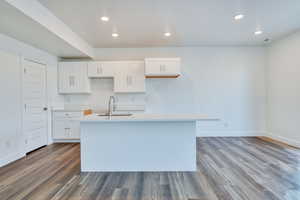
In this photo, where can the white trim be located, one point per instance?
(23, 138)
(31, 60)
(66, 140)
(11, 158)
(201, 133)
(288, 141)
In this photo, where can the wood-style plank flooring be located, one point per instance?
(228, 168)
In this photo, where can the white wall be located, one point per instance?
(10, 106)
(284, 89)
(227, 82)
(10, 76)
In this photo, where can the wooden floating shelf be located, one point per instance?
(176, 76)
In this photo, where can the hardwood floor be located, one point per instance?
(228, 168)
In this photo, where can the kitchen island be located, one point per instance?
(139, 143)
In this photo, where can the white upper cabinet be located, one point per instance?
(129, 77)
(162, 67)
(73, 78)
(100, 69)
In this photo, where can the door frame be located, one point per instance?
(23, 60)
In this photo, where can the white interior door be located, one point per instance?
(34, 100)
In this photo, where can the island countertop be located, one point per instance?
(148, 117)
(140, 142)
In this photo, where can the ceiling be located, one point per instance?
(142, 23)
(19, 26)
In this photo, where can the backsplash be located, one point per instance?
(102, 89)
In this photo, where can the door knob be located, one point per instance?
(45, 109)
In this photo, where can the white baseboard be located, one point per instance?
(10, 158)
(66, 141)
(230, 133)
(288, 141)
(199, 134)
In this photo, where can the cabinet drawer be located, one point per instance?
(66, 115)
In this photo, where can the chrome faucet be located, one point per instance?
(111, 105)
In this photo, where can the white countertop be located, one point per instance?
(67, 110)
(148, 117)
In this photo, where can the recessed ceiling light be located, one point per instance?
(239, 17)
(258, 32)
(115, 35)
(105, 18)
(167, 34)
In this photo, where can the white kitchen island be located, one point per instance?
(139, 143)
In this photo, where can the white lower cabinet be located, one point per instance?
(66, 125)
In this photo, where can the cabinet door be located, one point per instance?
(61, 129)
(75, 129)
(68, 78)
(100, 69)
(64, 78)
(83, 84)
(129, 77)
(135, 80)
(73, 78)
(169, 68)
(120, 77)
(162, 67)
